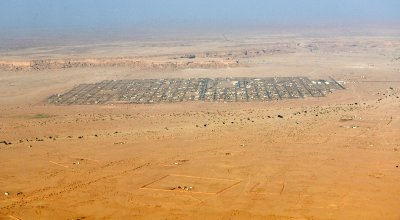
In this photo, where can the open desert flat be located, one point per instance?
(251, 123)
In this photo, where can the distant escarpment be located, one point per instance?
(54, 64)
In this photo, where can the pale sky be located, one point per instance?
(19, 14)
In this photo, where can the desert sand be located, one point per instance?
(334, 157)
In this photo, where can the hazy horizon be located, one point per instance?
(25, 23)
(175, 14)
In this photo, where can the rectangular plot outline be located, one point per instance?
(252, 190)
(235, 182)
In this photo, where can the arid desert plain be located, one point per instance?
(151, 153)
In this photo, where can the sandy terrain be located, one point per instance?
(335, 157)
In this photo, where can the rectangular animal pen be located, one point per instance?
(192, 184)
